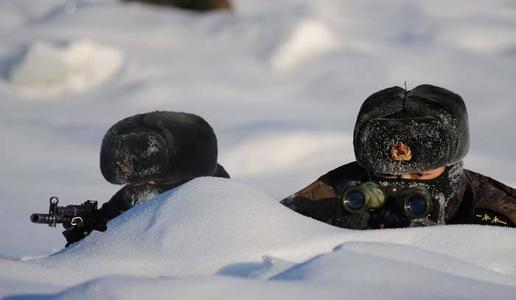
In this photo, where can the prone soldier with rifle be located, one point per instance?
(150, 154)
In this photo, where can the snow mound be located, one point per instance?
(406, 272)
(359, 270)
(210, 228)
(213, 226)
(203, 227)
(309, 39)
(51, 70)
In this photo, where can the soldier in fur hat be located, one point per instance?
(150, 154)
(409, 147)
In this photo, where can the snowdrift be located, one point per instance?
(51, 70)
(203, 238)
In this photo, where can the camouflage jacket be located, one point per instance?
(485, 201)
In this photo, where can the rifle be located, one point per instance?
(78, 220)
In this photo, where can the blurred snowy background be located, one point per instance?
(281, 83)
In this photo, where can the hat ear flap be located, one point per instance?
(133, 157)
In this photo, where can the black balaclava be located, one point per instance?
(399, 131)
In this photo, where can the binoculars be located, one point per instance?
(415, 202)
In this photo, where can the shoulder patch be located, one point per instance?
(489, 217)
(317, 191)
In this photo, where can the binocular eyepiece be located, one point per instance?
(415, 202)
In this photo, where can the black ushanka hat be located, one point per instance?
(161, 146)
(399, 131)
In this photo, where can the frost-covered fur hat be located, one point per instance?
(399, 131)
(160, 145)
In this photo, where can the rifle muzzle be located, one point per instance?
(46, 219)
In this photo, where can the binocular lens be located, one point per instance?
(355, 200)
(414, 202)
(417, 206)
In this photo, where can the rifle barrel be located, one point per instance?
(47, 219)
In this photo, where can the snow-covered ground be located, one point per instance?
(214, 238)
(281, 83)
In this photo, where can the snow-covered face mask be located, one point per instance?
(444, 189)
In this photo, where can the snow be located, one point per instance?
(281, 83)
(309, 39)
(213, 227)
(50, 70)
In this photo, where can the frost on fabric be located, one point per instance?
(124, 162)
(446, 190)
(141, 195)
(432, 141)
(153, 146)
(135, 160)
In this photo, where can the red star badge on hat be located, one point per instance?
(400, 151)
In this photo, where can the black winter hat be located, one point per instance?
(160, 145)
(399, 131)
